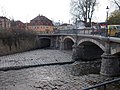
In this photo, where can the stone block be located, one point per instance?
(85, 67)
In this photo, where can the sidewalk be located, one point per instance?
(35, 58)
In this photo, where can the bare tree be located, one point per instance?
(83, 10)
(117, 3)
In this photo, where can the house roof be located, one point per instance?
(17, 24)
(3, 17)
(41, 20)
(65, 24)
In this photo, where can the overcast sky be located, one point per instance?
(56, 10)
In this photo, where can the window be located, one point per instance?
(118, 27)
(112, 27)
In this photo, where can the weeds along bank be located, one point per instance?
(13, 41)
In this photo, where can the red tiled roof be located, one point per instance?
(18, 24)
(41, 20)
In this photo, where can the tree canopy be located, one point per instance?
(117, 3)
(114, 18)
(83, 10)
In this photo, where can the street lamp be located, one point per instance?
(107, 33)
(75, 27)
(76, 23)
(107, 9)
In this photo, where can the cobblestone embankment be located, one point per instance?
(34, 58)
(55, 77)
(52, 77)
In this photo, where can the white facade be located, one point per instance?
(79, 25)
(65, 27)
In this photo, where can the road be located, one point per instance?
(52, 77)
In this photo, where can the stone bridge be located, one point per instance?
(86, 47)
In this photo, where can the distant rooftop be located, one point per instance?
(65, 24)
(41, 20)
(2, 17)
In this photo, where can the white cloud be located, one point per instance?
(25, 10)
(100, 15)
(28, 9)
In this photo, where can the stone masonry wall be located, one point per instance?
(86, 67)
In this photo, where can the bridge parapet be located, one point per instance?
(71, 31)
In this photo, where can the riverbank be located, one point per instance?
(47, 77)
(35, 58)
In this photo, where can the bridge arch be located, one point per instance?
(68, 43)
(93, 41)
(90, 49)
(44, 42)
(68, 37)
(115, 51)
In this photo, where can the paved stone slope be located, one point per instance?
(55, 77)
(52, 77)
(34, 58)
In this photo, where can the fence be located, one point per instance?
(103, 84)
(75, 31)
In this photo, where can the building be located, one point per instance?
(65, 26)
(41, 24)
(4, 23)
(18, 25)
(79, 25)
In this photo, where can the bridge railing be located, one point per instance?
(75, 31)
(103, 85)
(45, 32)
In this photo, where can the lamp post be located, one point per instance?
(75, 31)
(109, 63)
(107, 9)
(107, 45)
(76, 23)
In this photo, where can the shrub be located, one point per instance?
(13, 36)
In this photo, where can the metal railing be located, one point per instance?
(102, 84)
(73, 31)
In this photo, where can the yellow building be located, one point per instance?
(41, 24)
